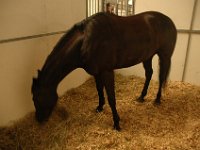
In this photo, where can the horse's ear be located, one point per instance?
(34, 84)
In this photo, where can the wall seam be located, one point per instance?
(189, 40)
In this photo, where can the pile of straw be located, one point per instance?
(74, 124)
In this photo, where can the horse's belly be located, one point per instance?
(94, 67)
(126, 64)
(127, 59)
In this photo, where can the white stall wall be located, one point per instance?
(19, 60)
(21, 18)
(192, 73)
(180, 11)
(197, 17)
(193, 70)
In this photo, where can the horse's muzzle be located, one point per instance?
(42, 116)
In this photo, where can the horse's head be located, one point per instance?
(44, 98)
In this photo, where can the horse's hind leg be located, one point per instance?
(108, 80)
(165, 63)
(100, 86)
(148, 74)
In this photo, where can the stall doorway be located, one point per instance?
(119, 7)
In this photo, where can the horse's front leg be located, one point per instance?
(108, 80)
(100, 86)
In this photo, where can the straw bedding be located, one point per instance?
(74, 124)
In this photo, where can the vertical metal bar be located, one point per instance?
(126, 7)
(98, 5)
(189, 39)
(102, 5)
(121, 6)
(86, 8)
(118, 7)
(133, 7)
(91, 1)
(115, 6)
(89, 8)
(95, 6)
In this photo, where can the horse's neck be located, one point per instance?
(61, 62)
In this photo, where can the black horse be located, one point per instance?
(100, 44)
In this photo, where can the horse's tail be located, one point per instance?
(165, 62)
(166, 50)
(165, 74)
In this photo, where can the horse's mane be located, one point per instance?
(56, 52)
(78, 27)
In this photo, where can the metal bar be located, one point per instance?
(188, 31)
(90, 8)
(87, 8)
(126, 7)
(95, 8)
(121, 6)
(116, 7)
(185, 31)
(102, 5)
(189, 39)
(133, 7)
(30, 37)
(98, 6)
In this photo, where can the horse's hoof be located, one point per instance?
(157, 103)
(99, 109)
(117, 127)
(140, 99)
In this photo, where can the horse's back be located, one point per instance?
(155, 23)
(105, 27)
(112, 41)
